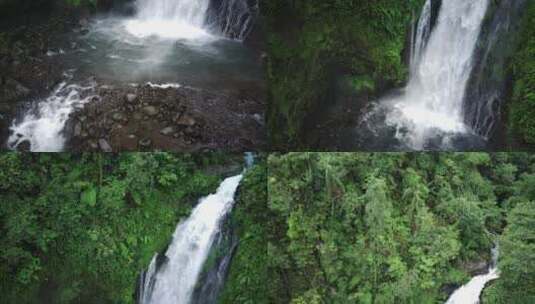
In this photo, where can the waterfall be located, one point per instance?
(193, 19)
(175, 280)
(471, 292)
(233, 18)
(172, 19)
(423, 30)
(212, 280)
(192, 12)
(432, 102)
(41, 127)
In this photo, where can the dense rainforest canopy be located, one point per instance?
(398, 228)
(80, 228)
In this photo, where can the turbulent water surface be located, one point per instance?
(174, 281)
(169, 43)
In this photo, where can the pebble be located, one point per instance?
(186, 120)
(150, 110)
(104, 145)
(131, 97)
(167, 131)
(118, 116)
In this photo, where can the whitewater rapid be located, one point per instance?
(470, 293)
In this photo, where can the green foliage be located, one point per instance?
(517, 259)
(522, 107)
(392, 227)
(80, 228)
(246, 283)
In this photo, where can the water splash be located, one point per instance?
(432, 102)
(175, 281)
(42, 126)
(173, 19)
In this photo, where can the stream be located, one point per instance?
(470, 293)
(166, 44)
(175, 280)
(177, 277)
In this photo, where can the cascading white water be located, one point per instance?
(423, 30)
(42, 126)
(188, 11)
(233, 18)
(176, 19)
(471, 292)
(175, 281)
(432, 103)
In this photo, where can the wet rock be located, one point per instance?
(130, 97)
(77, 132)
(24, 146)
(150, 110)
(12, 90)
(104, 145)
(167, 131)
(84, 22)
(476, 267)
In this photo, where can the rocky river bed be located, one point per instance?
(40, 58)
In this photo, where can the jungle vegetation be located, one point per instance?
(398, 227)
(79, 228)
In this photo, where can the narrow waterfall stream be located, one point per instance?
(432, 104)
(167, 43)
(428, 114)
(174, 281)
(470, 293)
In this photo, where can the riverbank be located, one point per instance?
(224, 114)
